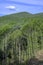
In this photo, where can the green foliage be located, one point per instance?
(21, 35)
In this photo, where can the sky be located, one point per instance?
(14, 6)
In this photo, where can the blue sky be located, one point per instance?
(15, 6)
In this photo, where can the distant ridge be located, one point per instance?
(20, 13)
(23, 14)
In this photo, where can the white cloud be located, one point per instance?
(10, 7)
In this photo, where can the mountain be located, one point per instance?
(19, 16)
(21, 37)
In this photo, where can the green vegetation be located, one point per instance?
(21, 36)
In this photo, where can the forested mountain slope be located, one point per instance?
(21, 36)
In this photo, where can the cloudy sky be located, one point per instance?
(15, 6)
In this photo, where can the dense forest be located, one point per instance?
(21, 38)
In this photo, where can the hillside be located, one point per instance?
(21, 36)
